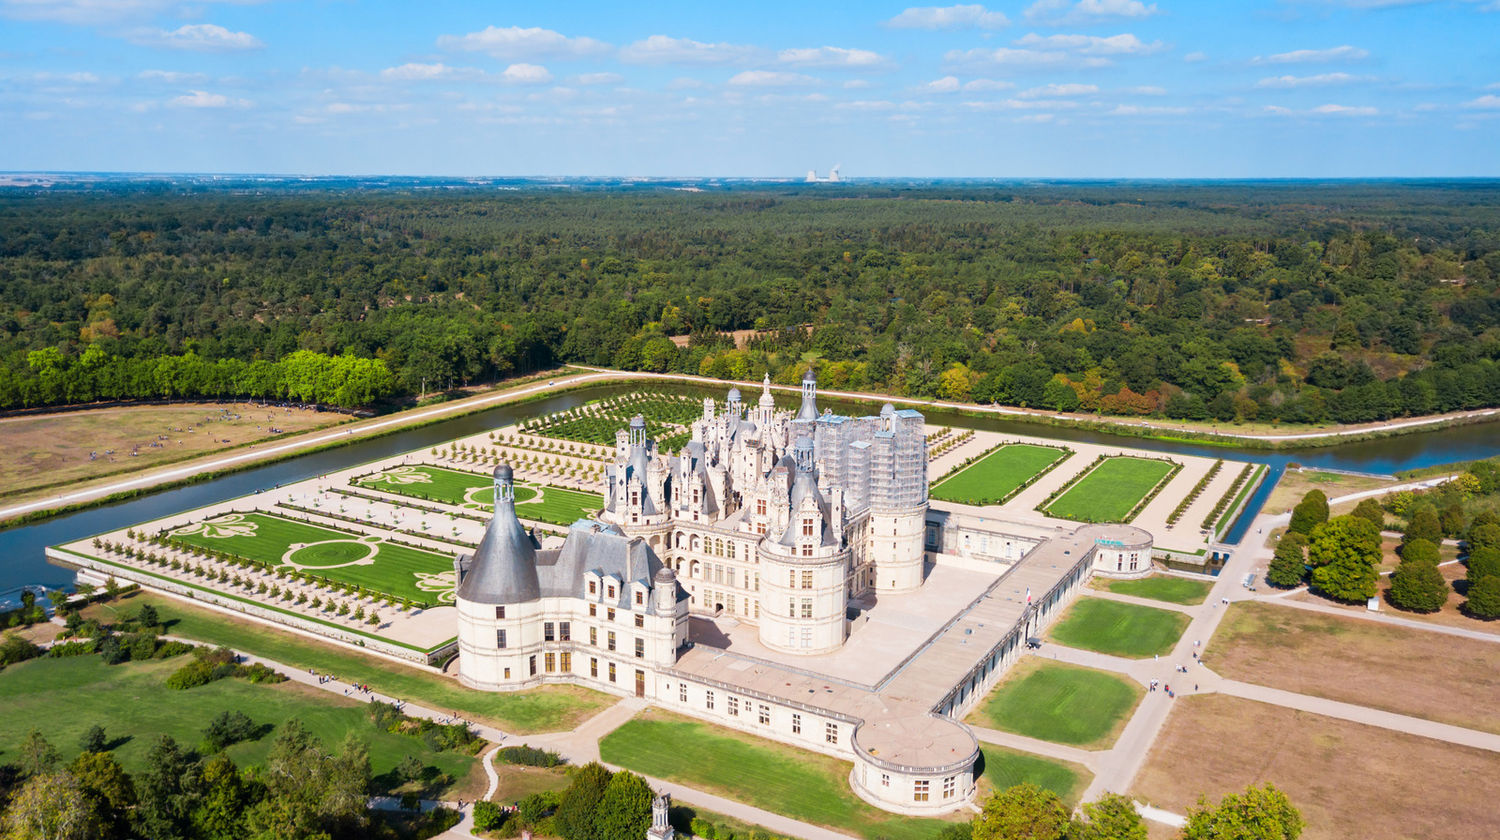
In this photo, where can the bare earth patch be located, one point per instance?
(47, 450)
(1411, 672)
(1296, 483)
(1351, 781)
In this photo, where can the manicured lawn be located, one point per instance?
(541, 502)
(1005, 768)
(549, 709)
(1119, 629)
(994, 477)
(1062, 703)
(1176, 590)
(339, 555)
(800, 784)
(1111, 490)
(64, 697)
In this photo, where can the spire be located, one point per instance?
(809, 409)
(766, 400)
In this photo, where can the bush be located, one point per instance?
(191, 675)
(230, 727)
(1310, 512)
(1484, 598)
(529, 756)
(17, 649)
(488, 816)
(66, 649)
(1483, 562)
(1417, 585)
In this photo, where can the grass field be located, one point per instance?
(549, 709)
(541, 502)
(47, 450)
(1119, 629)
(996, 476)
(1111, 490)
(338, 555)
(1174, 590)
(800, 784)
(1005, 768)
(64, 697)
(1351, 781)
(1411, 672)
(1062, 703)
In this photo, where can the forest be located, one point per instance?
(1288, 302)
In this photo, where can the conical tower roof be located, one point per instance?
(503, 569)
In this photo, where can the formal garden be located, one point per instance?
(1115, 489)
(476, 491)
(999, 474)
(666, 415)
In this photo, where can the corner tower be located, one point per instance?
(898, 500)
(498, 591)
(804, 566)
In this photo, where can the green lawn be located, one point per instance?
(339, 555)
(996, 476)
(1119, 629)
(1062, 703)
(800, 784)
(64, 697)
(541, 502)
(1176, 590)
(1111, 490)
(548, 709)
(1005, 768)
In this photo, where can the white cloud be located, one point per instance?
(856, 84)
(204, 99)
(199, 37)
(1058, 90)
(419, 72)
(1147, 110)
(949, 17)
(58, 79)
(598, 79)
(1320, 80)
(867, 105)
(770, 78)
(526, 74)
(987, 84)
(1122, 44)
(1495, 86)
(1022, 105)
(1196, 56)
(171, 77)
(1340, 53)
(1036, 118)
(947, 84)
(1147, 90)
(830, 57)
(1007, 57)
(1487, 101)
(663, 49)
(1346, 110)
(90, 12)
(686, 83)
(1084, 12)
(513, 42)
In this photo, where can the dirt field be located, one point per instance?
(53, 449)
(1349, 780)
(1450, 615)
(1410, 672)
(1296, 483)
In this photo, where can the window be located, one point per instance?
(807, 608)
(611, 672)
(796, 723)
(807, 580)
(593, 587)
(593, 667)
(765, 715)
(708, 700)
(611, 644)
(610, 614)
(499, 612)
(807, 527)
(593, 610)
(640, 620)
(885, 779)
(532, 662)
(831, 733)
(640, 648)
(807, 550)
(791, 607)
(791, 578)
(640, 598)
(565, 664)
(507, 673)
(734, 707)
(611, 593)
(682, 693)
(807, 637)
(549, 631)
(760, 507)
(594, 636)
(499, 638)
(919, 790)
(950, 785)
(550, 662)
(565, 631)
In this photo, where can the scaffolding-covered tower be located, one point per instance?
(898, 500)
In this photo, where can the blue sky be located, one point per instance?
(1056, 88)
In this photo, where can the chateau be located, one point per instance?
(738, 581)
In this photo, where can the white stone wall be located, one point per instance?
(896, 546)
(803, 602)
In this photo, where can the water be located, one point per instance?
(22, 561)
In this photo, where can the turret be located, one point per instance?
(503, 567)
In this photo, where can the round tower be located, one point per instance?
(803, 570)
(498, 592)
(898, 501)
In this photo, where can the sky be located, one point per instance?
(1032, 89)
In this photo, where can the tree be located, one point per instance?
(1453, 520)
(311, 793)
(1343, 552)
(1417, 585)
(625, 807)
(1289, 563)
(51, 806)
(93, 740)
(1257, 814)
(109, 791)
(38, 757)
(228, 727)
(1310, 512)
(409, 769)
(163, 798)
(577, 816)
(1371, 510)
(1486, 535)
(1111, 817)
(223, 797)
(1022, 812)
(147, 616)
(1483, 562)
(1484, 598)
(1424, 525)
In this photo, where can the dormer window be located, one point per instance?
(593, 587)
(639, 598)
(760, 507)
(611, 592)
(807, 527)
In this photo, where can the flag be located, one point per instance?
(1028, 596)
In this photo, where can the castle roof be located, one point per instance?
(503, 567)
